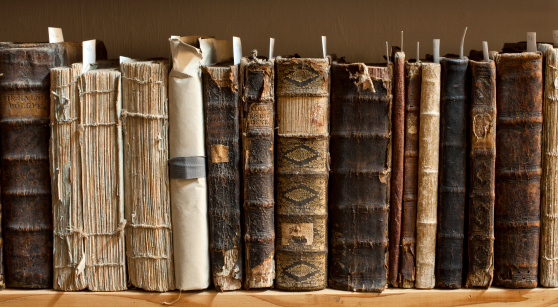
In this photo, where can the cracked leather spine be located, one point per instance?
(360, 172)
(518, 169)
(302, 171)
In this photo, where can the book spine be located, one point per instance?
(482, 134)
(102, 180)
(258, 110)
(451, 191)
(187, 169)
(302, 173)
(398, 158)
(410, 184)
(427, 200)
(26, 198)
(147, 199)
(66, 178)
(220, 95)
(360, 173)
(518, 169)
(549, 201)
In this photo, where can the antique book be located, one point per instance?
(257, 109)
(360, 176)
(187, 157)
(427, 199)
(222, 141)
(410, 183)
(482, 159)
(549, 182)
(397, 175)
(518, 169)
(101, 155)
(26, 195)
(452, 172)
(302, 172)
(146, 183)
(65, 171)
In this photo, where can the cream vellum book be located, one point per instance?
(187, 165)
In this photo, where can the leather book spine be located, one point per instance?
(26, 196)
(482, 159)
(147, 196)
(257, 124)
(302, 172)
(518, 169)
(452, 178)
(398, 158)
(427, 200)
(360, 171)
(549, 184)
(410, 184)
(222, 138)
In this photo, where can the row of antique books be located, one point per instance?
(293, 173)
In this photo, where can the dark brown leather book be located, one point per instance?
(220, 97)
(302, 172)
(451, 192)
(398, 157)
(410, 184)
(360, 163)
(257, 99)
(24, 117)
(518, 169)
(482, 159)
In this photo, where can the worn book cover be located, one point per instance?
(222, 143)
(257, 109)
(518, 169)
(27, 224)
(482, 159)
(302, 173)
(427, 201)
(146, 182)
(359, 189)
(410, 183)
(451, 191)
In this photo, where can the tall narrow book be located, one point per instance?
(302, 173)
(360, 172)
(26, 196)
(549, 185)
(257, 84)
(518, 169)
(65, 171)
(482, 159)
(146, 182)
(100, 136)
(397, 173)
(222, 143)
(427, 202)
(410, 184)
(451, 193)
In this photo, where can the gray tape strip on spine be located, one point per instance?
(187, 167)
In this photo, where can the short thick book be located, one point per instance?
(410, 183)
(146, 181)
(222, 143)
(257, 109)
(26, 195)
(302, 172)
(427, 202)
(518, 169)
(482, 159)
(360, 172)
(451, 191)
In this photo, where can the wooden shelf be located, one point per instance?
(327, 297)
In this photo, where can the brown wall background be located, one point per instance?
(355, 29)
